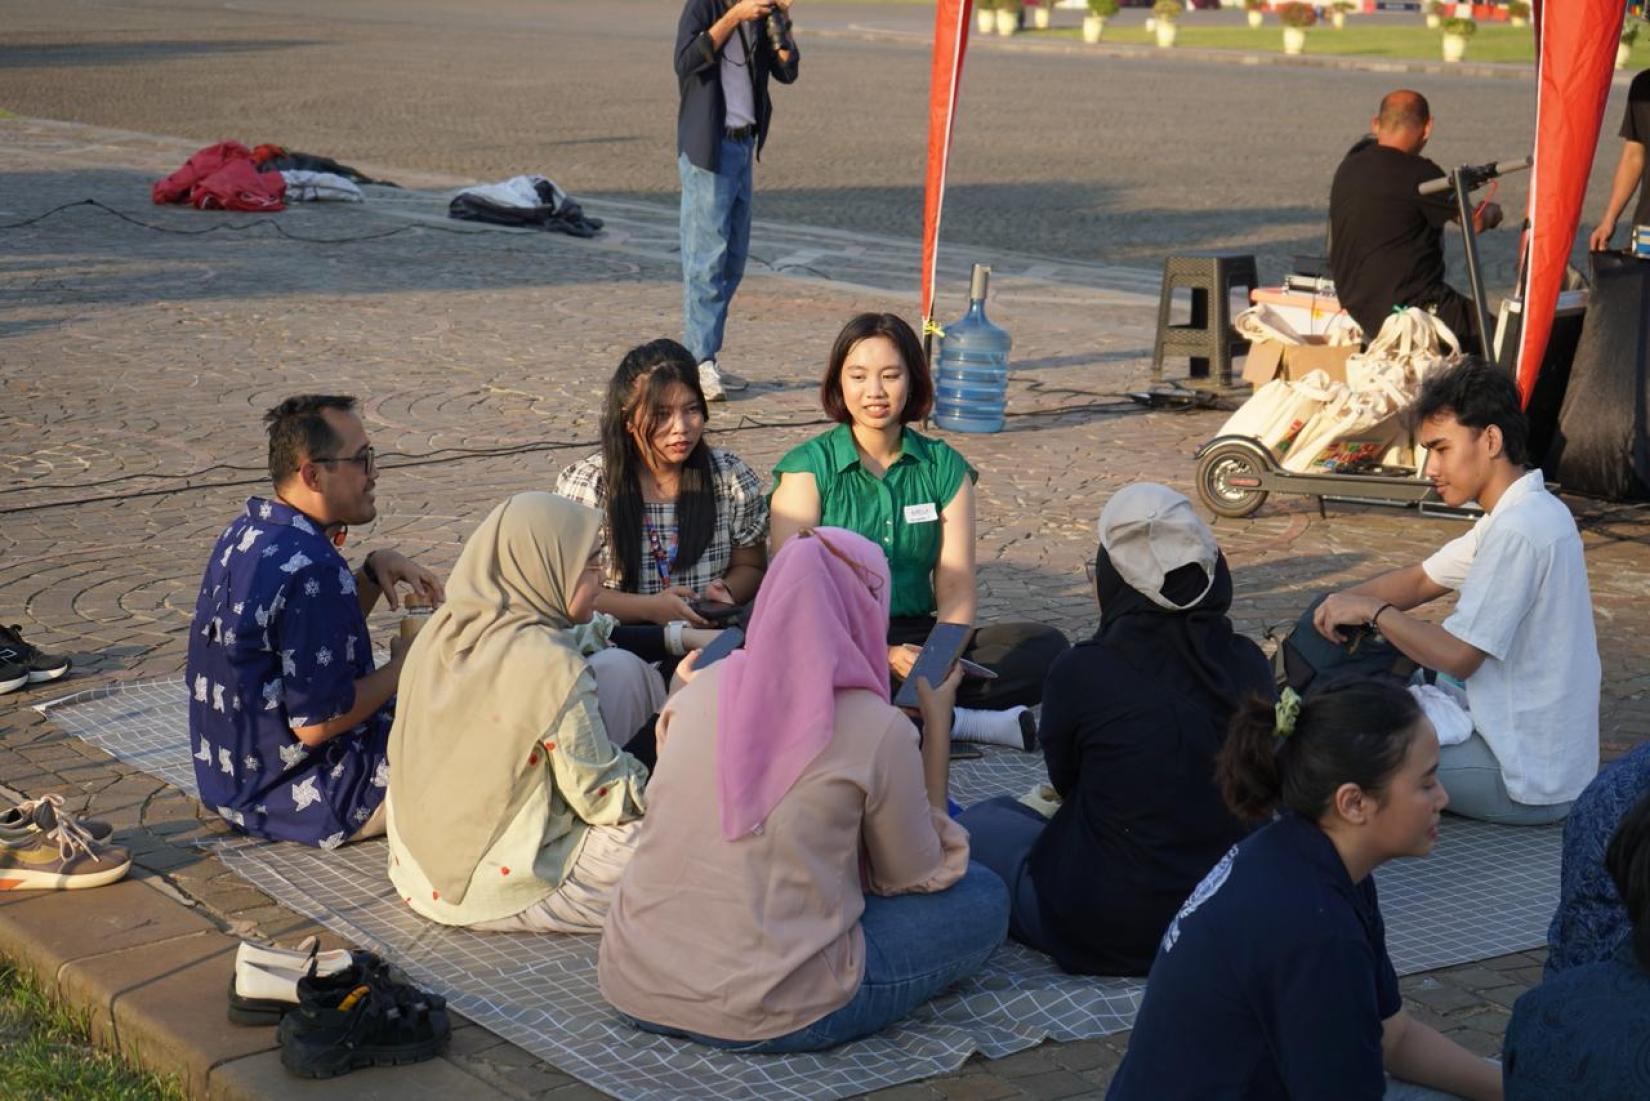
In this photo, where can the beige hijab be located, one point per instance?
(483, 682)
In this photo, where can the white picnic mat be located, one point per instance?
(1486, 891)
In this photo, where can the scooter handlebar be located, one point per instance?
(1475, 177)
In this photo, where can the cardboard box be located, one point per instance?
(1268, 359)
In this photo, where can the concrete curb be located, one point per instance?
(150, 974)
(1241, 58)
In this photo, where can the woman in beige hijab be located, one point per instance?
(510, 808)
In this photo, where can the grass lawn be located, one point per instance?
(1491, 43)
(46, 1054)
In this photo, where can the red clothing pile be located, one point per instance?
(223, 177)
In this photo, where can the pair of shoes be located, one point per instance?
(360, 1017)
(22, 664)
(59, 856)
(265, 983)
(41, 815)
(718, 384)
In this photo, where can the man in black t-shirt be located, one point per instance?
(1386, 246)
(1635, 131)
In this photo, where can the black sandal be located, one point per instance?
(360, 1018)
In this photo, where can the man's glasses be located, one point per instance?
(366, 457)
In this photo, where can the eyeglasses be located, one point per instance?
(366, 457)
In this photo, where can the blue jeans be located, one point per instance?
(1001, 833)
(716, 239)
(915, 947)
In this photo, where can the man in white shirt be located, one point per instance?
(1521, 635)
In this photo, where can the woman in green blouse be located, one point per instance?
(913, 496)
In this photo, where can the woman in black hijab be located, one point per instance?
(1132, 721)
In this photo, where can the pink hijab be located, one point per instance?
(820, 627)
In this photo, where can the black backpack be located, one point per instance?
(1309, 663)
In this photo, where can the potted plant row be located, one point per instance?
(1094, 23)
(1435, 14)
(1296, 17)
(1256, 11)
(1167, 15)
(1338, 11)
(1518, 13)
(1456, 33)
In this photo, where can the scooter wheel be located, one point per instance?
(1225, 481)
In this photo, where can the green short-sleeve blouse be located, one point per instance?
(900, 512)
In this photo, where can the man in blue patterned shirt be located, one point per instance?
(288, 719)
(1591, 921)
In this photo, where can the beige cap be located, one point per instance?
(1149, 530)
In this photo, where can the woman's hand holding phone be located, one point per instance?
(936, 704)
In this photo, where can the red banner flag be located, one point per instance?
(1575, 55)
(951, 19)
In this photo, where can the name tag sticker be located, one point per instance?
(921, 514)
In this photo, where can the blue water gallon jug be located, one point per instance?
(972, 376)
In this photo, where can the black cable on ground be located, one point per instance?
(441, 457)
(280, 230)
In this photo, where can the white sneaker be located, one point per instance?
(710, 381)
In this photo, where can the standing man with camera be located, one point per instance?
(725, 53)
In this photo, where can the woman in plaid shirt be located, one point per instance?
(683, 521)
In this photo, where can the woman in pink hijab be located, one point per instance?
(798, 883)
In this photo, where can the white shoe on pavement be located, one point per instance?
(710, 381)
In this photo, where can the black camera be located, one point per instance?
(778, 25)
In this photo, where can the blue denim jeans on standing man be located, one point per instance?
(915, 947)
(716, 239)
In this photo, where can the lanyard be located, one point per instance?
(662, 562)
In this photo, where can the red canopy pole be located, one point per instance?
(1575, 56)
(951, 19)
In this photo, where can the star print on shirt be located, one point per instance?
(346, 581)
(272, 695)
(306, 793)
(332, 841)
(297, 562)
(323, 657)
(312, 587)
(292, 754)
(226, 760)
(200, 689)
(205, 752)
(248, 537)
(303, 525)
(266, 510)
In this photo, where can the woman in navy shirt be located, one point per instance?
(1273, 980)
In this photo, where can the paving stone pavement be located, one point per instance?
(135, 364)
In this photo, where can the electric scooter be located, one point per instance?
(1235, 474)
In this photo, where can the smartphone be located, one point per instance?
(721, 646)
(945, 645)
(715, 611)
(962, 751)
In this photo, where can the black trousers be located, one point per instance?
(1019, 653)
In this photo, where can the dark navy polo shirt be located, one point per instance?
(1271, 983)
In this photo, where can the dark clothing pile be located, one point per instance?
(273, 158)
(1386, 244)
(524, 202)
(1132, 721)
